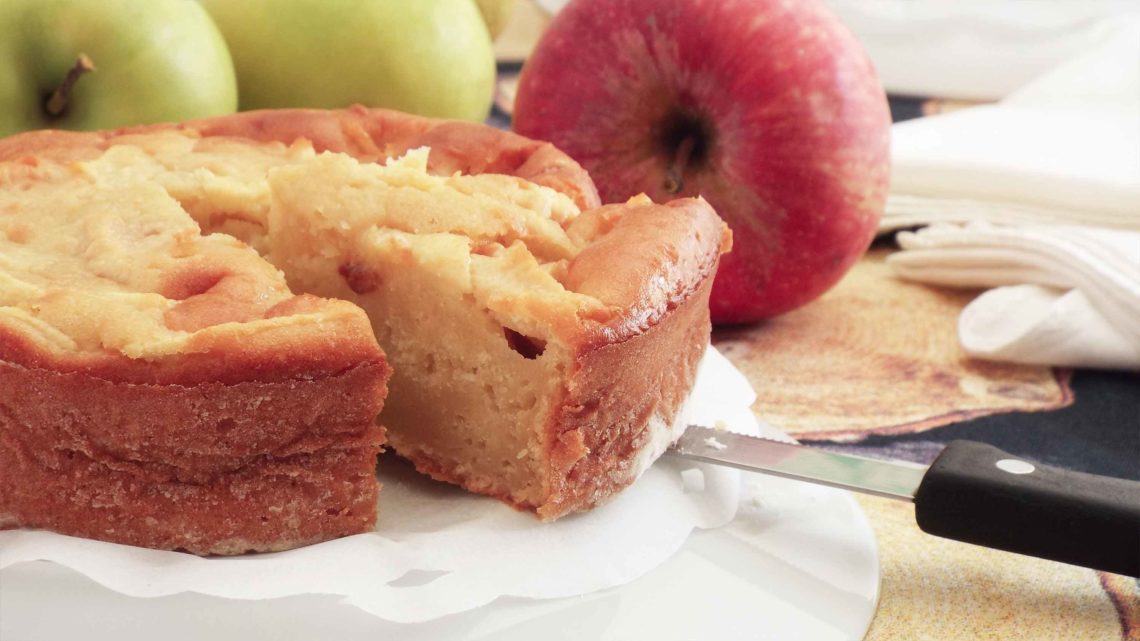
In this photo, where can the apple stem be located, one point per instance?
(57, 102)
(675, 176)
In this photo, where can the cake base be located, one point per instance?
(210, 468)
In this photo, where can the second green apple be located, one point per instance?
(429, 57)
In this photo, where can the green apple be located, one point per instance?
(496, 13)
(430, 57)
(154, 61)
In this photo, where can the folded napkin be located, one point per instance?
(1064, 149)
(1067, 295)
(1038, 195)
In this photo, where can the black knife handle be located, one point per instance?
(974, 492)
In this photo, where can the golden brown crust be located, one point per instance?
(376, 134)
(645, 259)
(601, 422)
(212, 468)
(366, 134)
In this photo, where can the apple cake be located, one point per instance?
(541, 345)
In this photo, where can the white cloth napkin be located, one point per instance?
(1066, 295)
(1038, 195)
(1064, 149)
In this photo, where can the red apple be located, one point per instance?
(770, 109)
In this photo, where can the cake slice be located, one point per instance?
(540, 354)
(542, 346)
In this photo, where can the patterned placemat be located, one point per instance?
(878, 355)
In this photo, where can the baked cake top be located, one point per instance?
(120, 282)
(102, 256)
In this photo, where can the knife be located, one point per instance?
(972, 492)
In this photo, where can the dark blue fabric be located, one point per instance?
(1098, 433)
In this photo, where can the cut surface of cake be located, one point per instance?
(533, 345)
(540, 345)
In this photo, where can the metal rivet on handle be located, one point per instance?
(1014, 466)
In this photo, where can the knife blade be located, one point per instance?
(972, 492)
